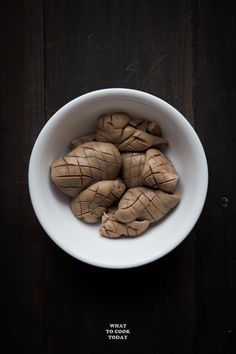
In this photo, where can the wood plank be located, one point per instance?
(116, 44)
(22, 116)
(215, 57)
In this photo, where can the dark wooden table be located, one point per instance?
(182, 51)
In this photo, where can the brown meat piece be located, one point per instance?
(111, 227)
(126, 133)
(132, 166)
(82, 139)
(91, 203)
(159, 172)
(85, 165)
(146, 125)
(142, 203)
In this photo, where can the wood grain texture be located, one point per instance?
(22, 116)
(181, 51)
(215, 95)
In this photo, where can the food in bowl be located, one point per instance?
(121, 154)
(52, 207)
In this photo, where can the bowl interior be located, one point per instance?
(83, 241)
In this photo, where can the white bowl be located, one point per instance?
(83, 241)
